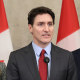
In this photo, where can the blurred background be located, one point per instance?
(17, 11)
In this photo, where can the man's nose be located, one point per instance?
(46, 28)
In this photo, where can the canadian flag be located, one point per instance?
(69, 31)
(5, 40)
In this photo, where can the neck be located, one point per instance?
(42, 45)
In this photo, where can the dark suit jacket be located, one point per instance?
(76, 54)
(22, 65)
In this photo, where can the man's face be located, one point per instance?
(42, 29)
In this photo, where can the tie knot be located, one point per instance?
(42, 52)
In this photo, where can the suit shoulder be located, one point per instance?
(22, 50)
(61, 50)
(19, 50)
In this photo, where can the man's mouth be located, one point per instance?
(46, 35)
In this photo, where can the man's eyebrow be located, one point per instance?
(41, 22)
(50, 22)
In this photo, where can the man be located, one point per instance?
(28, 63)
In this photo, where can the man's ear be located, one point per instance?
(30, 28)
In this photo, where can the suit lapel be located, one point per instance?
(53, 63)
(31, 62)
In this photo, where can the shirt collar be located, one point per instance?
(48, 49)
(38, 49)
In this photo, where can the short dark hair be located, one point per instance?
(39, 10)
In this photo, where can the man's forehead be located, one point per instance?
(41, 15)
(43, 18)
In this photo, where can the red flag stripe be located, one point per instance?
(3, 20)
(5, 40)
(68, 20)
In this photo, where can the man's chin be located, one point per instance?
(46, 42)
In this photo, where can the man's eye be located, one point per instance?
(50, 24)
(40, 24)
